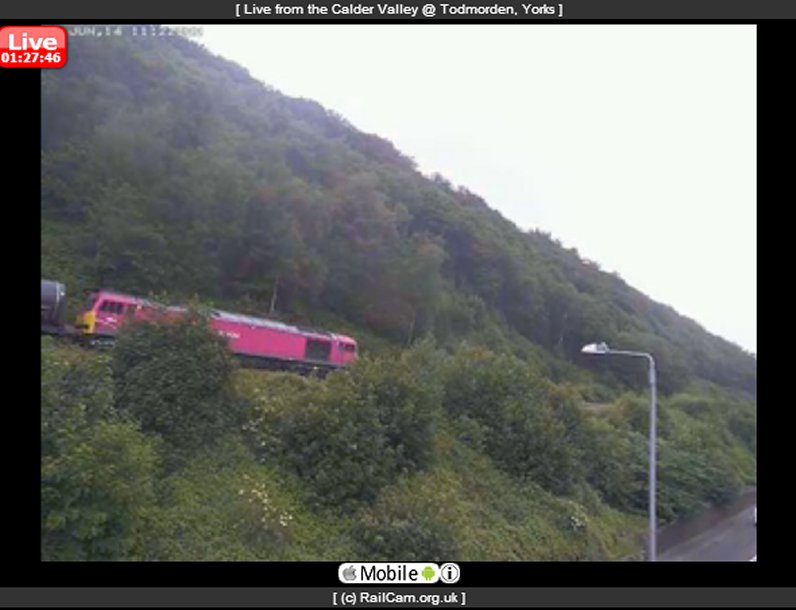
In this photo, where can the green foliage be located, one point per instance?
(472, 456)
(172, 378)
(617, 464)
(466, 509)
(75, 390)
(356, 432)
(633, 410)
(517, 417)
(96, 494)
(413, 520)
(223, 506)
(97, 471)
(701, 462)
(742, 422)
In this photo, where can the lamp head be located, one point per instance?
(595, 348)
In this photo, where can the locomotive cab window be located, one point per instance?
(112, 307)
(318, 350)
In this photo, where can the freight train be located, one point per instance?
(258, 342)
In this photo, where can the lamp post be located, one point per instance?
(601, 349)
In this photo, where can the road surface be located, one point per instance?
(732, 539)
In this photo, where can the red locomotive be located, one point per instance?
(258, 341)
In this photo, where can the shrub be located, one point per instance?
(173, 379)
(355, 433)
(523, 422)
(411, 521)
(97, 471)
(222, 505)
(615, 464)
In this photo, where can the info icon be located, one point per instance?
(449, 573)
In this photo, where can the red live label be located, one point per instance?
(32, 46)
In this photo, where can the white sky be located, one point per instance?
(635, 144)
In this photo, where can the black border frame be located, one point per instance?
(20, 105)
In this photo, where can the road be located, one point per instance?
(732, 539)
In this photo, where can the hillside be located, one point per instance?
(169, 172)
(166, 168)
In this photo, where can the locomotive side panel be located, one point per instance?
(260, 341)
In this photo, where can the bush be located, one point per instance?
(697, 467)
(523, 422)
(634, 412)
(743, 424)
(97, 471)
(173, 379)
(411, 521)
(616, 462)
(76, 391)
(352, 435)
(224, 506)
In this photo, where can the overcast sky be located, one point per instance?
(634, 144)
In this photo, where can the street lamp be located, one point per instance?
(601, 349)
